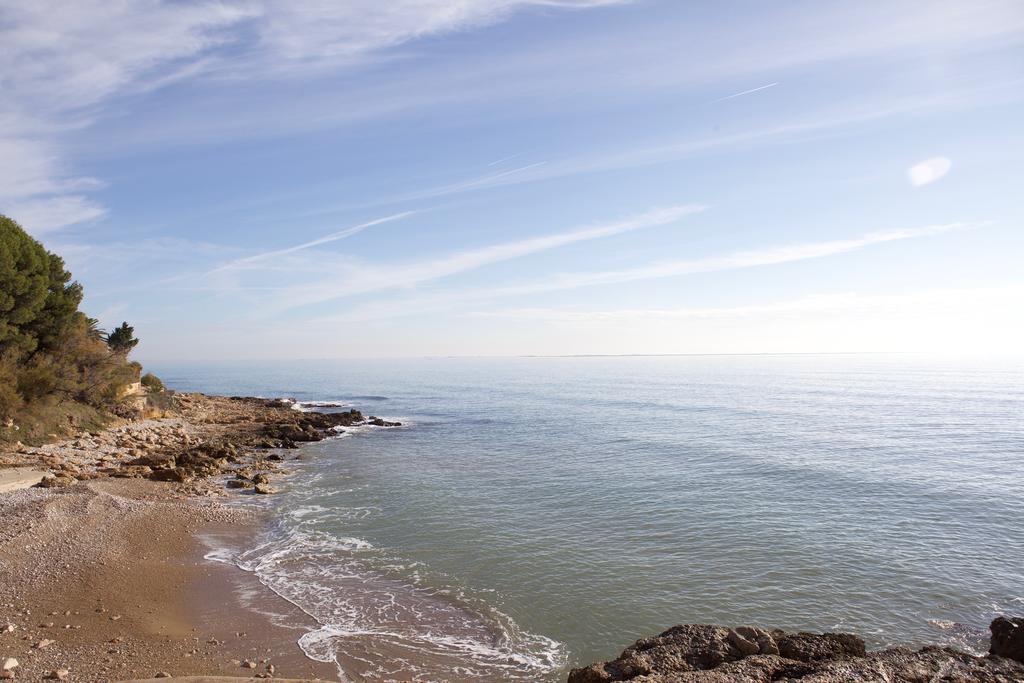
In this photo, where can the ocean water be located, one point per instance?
(540, 513)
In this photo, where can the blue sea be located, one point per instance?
(538, 513)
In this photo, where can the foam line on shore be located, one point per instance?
(366, 619)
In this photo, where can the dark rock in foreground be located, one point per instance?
(706, 653)
(1007, 638)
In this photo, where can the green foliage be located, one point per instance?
(10, 399)
(60, 310)
(24, 285)
(152, 383)
(38, 379)
(93, 329)
(56, 365)
(122, 339)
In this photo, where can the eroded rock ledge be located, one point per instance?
(707, 653)
(199, 440)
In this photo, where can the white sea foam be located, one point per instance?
(374, 608)
(220, 555)
(304, 511)
(309, 406)
(340, 432)
(382, 616)
(599, 495)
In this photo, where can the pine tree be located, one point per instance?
(24, 286)
(122, 339)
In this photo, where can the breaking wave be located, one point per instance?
(383, 617)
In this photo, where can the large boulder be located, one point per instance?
(54, 482)
(134, 472)
(1007, 638)
(811, 647)
(328, 420)
(180, 476)
(292, 432)
(156, 461)
(704, 653)
(704, 647)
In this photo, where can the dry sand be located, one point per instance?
(106, 579)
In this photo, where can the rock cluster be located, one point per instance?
(716, 654)
(209, 436)
(304, 427)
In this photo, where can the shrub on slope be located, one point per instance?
(56, 368)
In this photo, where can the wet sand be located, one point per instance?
(106, 579)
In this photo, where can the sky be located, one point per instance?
(252, 179)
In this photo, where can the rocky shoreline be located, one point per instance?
(718, 654)
(205, 436)
(106, 531)
(101, 564)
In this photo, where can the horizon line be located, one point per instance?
(575, 355)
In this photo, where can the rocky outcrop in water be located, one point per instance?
(717, 654)
(207, 436)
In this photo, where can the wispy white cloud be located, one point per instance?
(292, 279)
(108, 262)
(928, 171)
(62, 56)
(485, 181)
(743, 259)
(62, 63)
(447, 300)
(122, 269)
(364, 278)
(59, 62)
(306, 30)
(31, 167)
(823, 125)
(37, 190)
(44, 215)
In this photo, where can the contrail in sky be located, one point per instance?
(746, 92)
(504, 159)
(333, 237)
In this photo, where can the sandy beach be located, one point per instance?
(106, 573)
(102, 565)
(107, 580)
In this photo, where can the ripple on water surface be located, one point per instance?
(542, 512)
